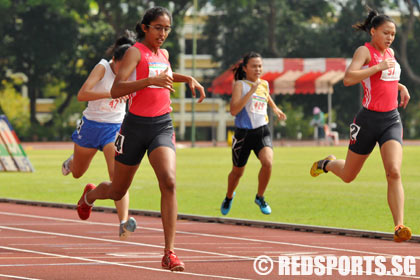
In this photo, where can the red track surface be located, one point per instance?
(52, 243)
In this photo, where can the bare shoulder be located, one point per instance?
(361, 57)
(166, 53)
(237, 84)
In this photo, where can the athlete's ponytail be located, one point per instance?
(374, 20)
(122, 43)
(238, 71)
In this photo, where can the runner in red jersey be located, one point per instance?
(374, 65)
(147, 126)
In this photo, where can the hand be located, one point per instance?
(194, 85)
(124, 98)
(404, 96)
(386, 64)
(255, 86)
(280, 115)
(163, 80)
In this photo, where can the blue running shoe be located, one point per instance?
(264, 207)
(226, 204)
(127, 228)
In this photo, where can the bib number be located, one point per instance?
(391, 74)
(79, 126)
(259, 105)
(119, 143)
(156, 68)
(354, 131)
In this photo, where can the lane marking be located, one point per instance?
(206, 235)
(118, 264)
(17, 277)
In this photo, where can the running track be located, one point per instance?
(52, 243)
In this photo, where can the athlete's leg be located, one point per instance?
(265, 155)
(123, 204)
(347, 169)
(233, 179)
(391, 152)
(163, 161)
(115, 190)
(82, 158)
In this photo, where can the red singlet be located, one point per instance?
(151, 101)
(381, 89)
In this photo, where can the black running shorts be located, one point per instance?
(139, 134)
(246, 140)
(370, 127)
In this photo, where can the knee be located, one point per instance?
(76, 175)
(236, 173)
(348, 178)
(266, 164)
(116, 195)
(393, 173)
(168, 184)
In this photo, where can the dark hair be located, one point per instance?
(149, 16)
(238, 71)
(121, 45)
(374, 20)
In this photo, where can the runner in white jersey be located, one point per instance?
(100, 123)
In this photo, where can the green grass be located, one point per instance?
(294, 196)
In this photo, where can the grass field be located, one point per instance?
(294, 196)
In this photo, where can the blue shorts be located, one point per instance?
(96, 135)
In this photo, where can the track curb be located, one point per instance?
(230, 221)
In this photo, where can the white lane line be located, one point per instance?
(208, 235)
(191, 233)
(121, 242)
(118, 264)
(17, 277)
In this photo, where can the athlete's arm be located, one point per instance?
(86, 93)
(192, 83)
(122, 87)
(238, 102)
(277, 111)
(404, 95)
(354, 74)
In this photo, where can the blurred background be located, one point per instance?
(48, 47)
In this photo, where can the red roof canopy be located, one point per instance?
(292, 75)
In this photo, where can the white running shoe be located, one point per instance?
(127, 228)
(65, 168)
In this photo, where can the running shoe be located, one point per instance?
(65, 168)
(170, 261)
(226, 204)
(83, 208)
(402, 233)
(264, 207)
(318, 166)
(127, 228)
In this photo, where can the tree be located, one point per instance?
(39, 36)
(410, 26)
(273, 28)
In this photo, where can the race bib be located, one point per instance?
(391, 74)
(354, 131)
(155, 68)
(119, 143)
(110, 106)
(259, 105)
(79, 126)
